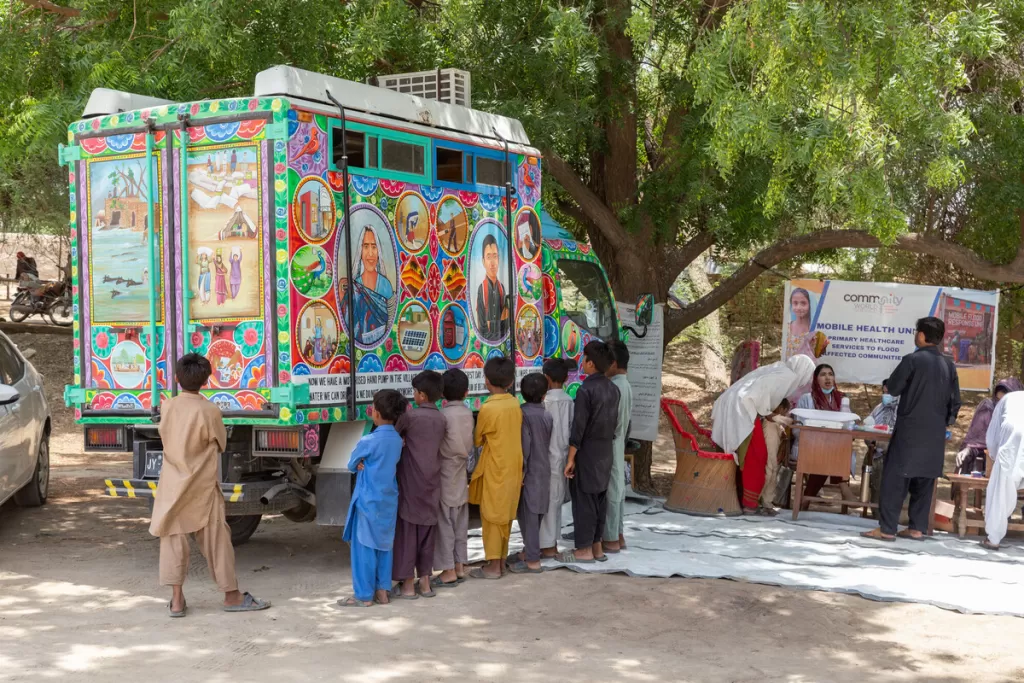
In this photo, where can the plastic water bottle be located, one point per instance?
(844, 407)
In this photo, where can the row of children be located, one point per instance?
(409, 513)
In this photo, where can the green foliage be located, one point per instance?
(769, 119)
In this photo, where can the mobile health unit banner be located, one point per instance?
(871, 326)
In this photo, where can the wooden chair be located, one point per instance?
(705, 479)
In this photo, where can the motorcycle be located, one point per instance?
(46, 299)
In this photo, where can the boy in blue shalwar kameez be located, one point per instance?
(373, 512)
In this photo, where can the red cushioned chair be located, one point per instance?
(705, 479)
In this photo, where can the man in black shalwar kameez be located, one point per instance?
(929, 391)
(589, 466)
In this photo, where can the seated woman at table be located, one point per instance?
(738, 421)
(972, 449)
(824, 395)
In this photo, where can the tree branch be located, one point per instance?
(596, 211)
(947, 252)
(47, 6)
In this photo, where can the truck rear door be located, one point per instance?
(224, 256)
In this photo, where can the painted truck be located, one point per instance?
(318, 241)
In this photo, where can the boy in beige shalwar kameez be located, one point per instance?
(188, 498)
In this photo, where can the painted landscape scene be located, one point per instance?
(118, 240)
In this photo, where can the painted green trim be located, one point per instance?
(276, 131)
(73, 395)
(426, 178)
(186, 285)
(67, 154)
(290, 394)
(154, 389)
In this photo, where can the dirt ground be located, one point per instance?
(79, 600)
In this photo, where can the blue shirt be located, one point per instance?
(374, 505)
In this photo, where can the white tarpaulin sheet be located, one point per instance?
(819, 551)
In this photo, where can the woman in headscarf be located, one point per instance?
(371, 291)
(738, 414)
(824, 395)
(972, 449)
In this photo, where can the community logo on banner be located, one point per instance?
(871, 326)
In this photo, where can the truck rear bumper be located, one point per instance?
(241, 498)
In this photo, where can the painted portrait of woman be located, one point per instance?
(372, 288)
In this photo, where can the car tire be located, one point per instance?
(34, 493)
(243, 527)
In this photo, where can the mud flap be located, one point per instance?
(334, 481)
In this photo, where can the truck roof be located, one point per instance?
(288, 81)
(104, 101)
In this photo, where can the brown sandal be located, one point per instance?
(985, 543)
(877, 535)
(911, 534)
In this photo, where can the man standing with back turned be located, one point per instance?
(926, 383)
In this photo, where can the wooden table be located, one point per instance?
(963, 485)
(827, 452)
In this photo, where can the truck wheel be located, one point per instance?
(243, 527)
(34, 493)
(303, 512)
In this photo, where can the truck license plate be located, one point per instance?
(154, 461)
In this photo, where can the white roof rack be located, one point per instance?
(104, 101)
(289, 81)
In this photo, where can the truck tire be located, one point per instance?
(243, 527)
(303, 512)
(34, 493)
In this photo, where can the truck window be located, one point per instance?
(490, 171)
(449, 165)
(401, 156)
(362, 148)
(585, 297)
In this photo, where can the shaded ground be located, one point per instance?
(79, 600)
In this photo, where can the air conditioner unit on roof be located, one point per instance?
(445, 85)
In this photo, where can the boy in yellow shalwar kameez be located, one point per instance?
(498, 476)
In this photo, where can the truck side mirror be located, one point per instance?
(644, 309)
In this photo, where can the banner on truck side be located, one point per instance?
(645, 356)
(871, 326)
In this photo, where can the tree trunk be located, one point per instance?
(716, 377)
(642, 461)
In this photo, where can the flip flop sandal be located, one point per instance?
(569, 557)
(603, 558)
(515, 557)
(612, 552)
(461, 579)
(249, 604)
(438, 583)
(905, 533)
(523, 568)
(184, 610)
(877, 535)
(429, 594)
(354, 602)
(985, 543)
(397, 594)
(477, 573)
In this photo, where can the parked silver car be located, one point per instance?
(24, 429)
